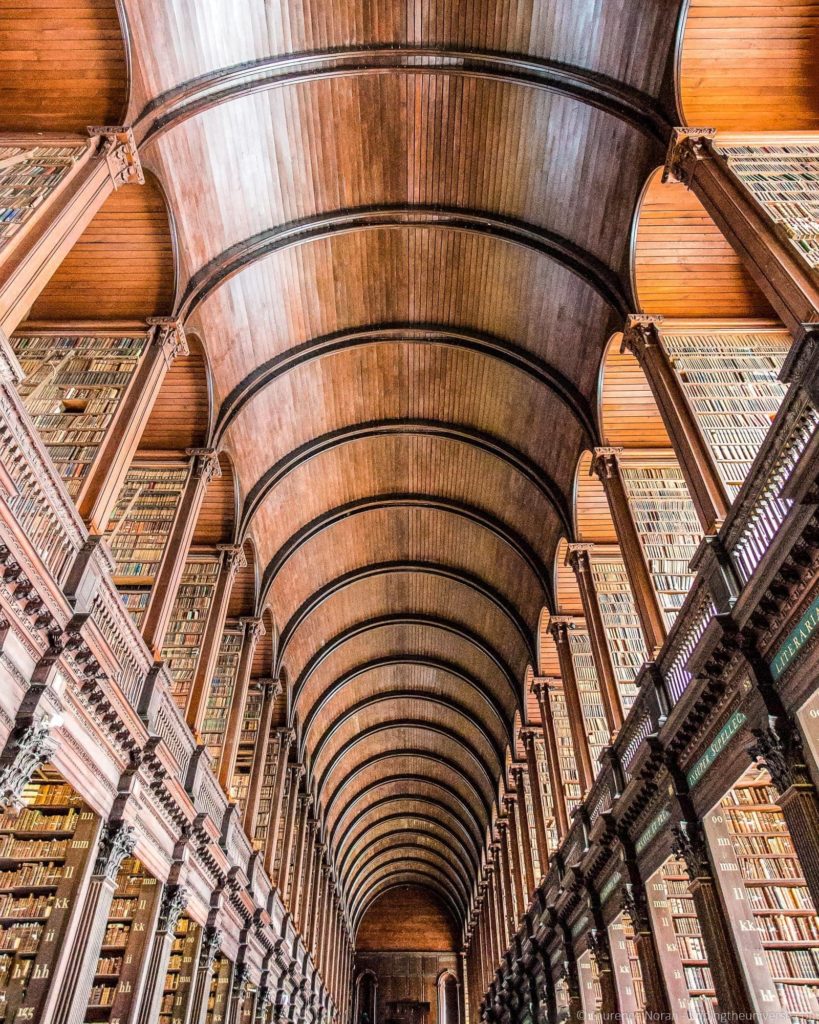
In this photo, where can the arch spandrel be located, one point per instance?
(592, 515)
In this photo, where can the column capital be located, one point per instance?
(233, 557)
(206, 465)
(31, 748)
(685, 148)
(527, 735)
(117, 841)
(168, 335)
(689, 845)
(781, 756)
(641, 331)
(503, 825)
(120, 151)
(559, 627)
(578, 556)
(509, 800)
(253, 626)
(174, 901)
(604, 461)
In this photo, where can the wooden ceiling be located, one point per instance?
(402, 233)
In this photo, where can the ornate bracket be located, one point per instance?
(641, 331)
(174, 901)
(686, 147)
(234, 557)
(117, 842)
(120, 151)
(636, 906)
(779, 752)
(604, 462)
(690, 846)
(169, 337)
(206, 464)
(32, 748)
(211, 944)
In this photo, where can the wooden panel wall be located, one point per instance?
(424, 924)
(683, 265)
(62, 65)
(628, 413)
(179, 419)
(243, 595)
(122, 266)
(751, 66)
(217, 516)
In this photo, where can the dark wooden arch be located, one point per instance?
(480, 439)
(403, 619)
(412, 876)
(510, 230)
(400, 839)
(490, 345)
(473, 581)
(348, 861)
(354, 898)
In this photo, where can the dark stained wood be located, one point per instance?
(425, 925)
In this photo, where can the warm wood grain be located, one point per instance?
(425, 925)
(180, 416)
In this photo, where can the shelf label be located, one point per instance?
(716, 747)
(796, 640)
(653, 829)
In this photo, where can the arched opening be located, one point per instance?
(449, 1002)
(366, 990)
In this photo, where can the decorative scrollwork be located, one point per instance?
(174, 901)
(690, 846)
(117, 842)
(32, 748)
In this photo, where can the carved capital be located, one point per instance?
(578, 557)
(23, 756)
(640, 333)
(206, 466)
(233, 556)
(11, 372)
(242, 976)
(690, 846)
(117, 841)
(598, 944)
(211, 944)
(635, 905)
(174, 901)
(528, 736)
(560, 626)
(169, 337)
(120, 151)
(686, 147)
(780, 753)
(254, 628)
(605, 462)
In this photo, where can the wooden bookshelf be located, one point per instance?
(139, 527)
(784, 180)
(667, 525)
(265, 809)
(624, 634)
(178, 988)
(125, 943)
(777, 895)
(219, 991)
(247, 746)
(221, 688)
(539, 869)
(590, 994)
(565, 747)
(731, 382)
(628, 973)
(588, 688)
(188, 620)
(28, 176)
(73, 387)
(547, 791)
(44, 851)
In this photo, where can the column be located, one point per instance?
(173, 902)
(541, 690)
(233, 560)
(241, 976)
(511, 918)
(559, 628)
(100, 490)
(525, 834)
(307, 882)
(528, 737)
(32, 256)
(643, 339)
(497, 904)
(463, 975)
(253, 630)
(607, 467)
(576, 1013)
(598, 940)
(493, 945)
(282, 879)
(785, 280)
(579, 559)
(211, 941)
(270, 690)
(117, 842)
(510, 802)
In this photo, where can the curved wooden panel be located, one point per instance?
(217, 516)
(121, 267)
(244, 593)
(629, 416)
(592, 515)
(62, 66)
(567, 592)
(548, 663)
(181, 413)
(682, 264)
(265, 651)
(750, 67)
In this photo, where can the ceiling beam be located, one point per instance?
(355, 852)
(431, 859)
(405, 839)
(413, 876)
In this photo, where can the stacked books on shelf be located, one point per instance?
(731, 382)
(548, 793)
(247, 746)
(220, 977)
(177, 990)
(667, 525)
(221, 689)
(628, 971)
(183, 639)
(784, 180)
(265, 808)
(43, 850)
(72, 389)
(139, 528)
(588, 688)
(621, 622)
(28, 175)
(777, 894)
(565, 747)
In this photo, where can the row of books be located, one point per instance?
(588, 688)
(28, 181)
(621, 622)
(30, 820)
(33, 875)
(30, 906)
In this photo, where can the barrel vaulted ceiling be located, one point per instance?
(403, 235)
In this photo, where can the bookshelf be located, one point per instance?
(221, 689)
(178, 988)
(590, 994)
(139, 528)
(548, 793)
(530, 817)
(667, 526)
(588, 688)
(247, 745)
(777, 895)
(784, 180)
(72, 389)
(124, 944)
(28, 175)
(44, 851)
(219, 990)
(685, 962)
(265, 810)
(565, 747)
(621, 622)
(189, 617)
(730, 379)
(628, 973)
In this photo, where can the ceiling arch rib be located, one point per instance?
(382, 865)
(404, 826)
(421, 787)
(475, 582)
(187, 100)
(549, 244)
(412, 875)
(409, 334)
(408, 843)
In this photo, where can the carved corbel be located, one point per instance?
(117, 842)
(23, 756)
(169, 336)
(206, 466)
(120, 151)
(686, 147)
